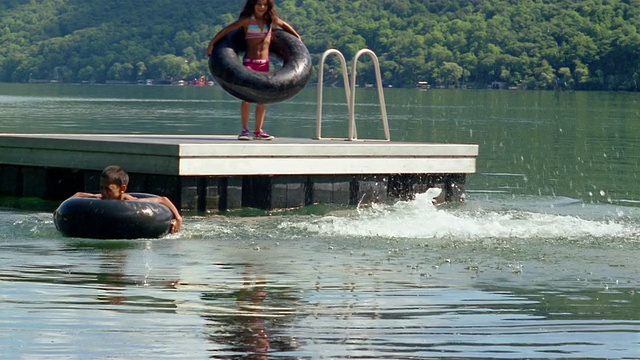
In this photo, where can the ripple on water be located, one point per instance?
(462, 283)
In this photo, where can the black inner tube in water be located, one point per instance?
(112, 219)
(257, 87)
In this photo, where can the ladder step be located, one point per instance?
(350, 93)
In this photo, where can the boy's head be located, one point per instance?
(113, 182)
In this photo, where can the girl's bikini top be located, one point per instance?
(254, 31)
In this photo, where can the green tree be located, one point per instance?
(565, 78)
(169, 67)
(545, 75)
(141, 69)
(581, 72)
(517, 41)
(120, 72)
(450, 73)
(87, 73)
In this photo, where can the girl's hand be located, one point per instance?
(210, 49)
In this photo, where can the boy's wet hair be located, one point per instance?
(114, 174)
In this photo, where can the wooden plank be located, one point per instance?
(224, 155)
(325, 166)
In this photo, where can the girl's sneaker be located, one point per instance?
(244, 135)
(261, 135)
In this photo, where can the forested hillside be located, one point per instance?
(537, 44)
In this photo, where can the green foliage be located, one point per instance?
(588, 44)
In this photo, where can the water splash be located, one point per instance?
(477, 219)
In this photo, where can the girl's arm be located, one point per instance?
(233, 26)
(286, 27)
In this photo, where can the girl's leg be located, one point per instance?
(245, 110)
(261, 110)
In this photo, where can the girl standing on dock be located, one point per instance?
(258, 17)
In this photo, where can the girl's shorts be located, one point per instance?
(260, 65)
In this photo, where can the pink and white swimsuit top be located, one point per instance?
(254, 31)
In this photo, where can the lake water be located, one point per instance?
(541, 261)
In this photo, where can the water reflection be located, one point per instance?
(362, 302)
(541, 261)
(111, 280)
(120, 274)
(253, 326)
(254, 334)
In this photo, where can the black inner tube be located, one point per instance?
(112, 219)
(257, 87)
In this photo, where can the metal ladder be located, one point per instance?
(350, 93)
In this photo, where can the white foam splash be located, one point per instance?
(420, 219)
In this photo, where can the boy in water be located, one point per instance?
(113, 184)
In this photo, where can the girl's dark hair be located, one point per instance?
(271, 14)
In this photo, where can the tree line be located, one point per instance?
(533, 44)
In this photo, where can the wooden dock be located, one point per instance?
(218, 172)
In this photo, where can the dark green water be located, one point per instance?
(540, 262)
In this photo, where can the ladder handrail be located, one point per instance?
(350, 92)
(352, 117)
(345, 77)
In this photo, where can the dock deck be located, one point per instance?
(218, 172)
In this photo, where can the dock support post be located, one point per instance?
(288, 192)
(455, 185)
(369, 189)
(406, 186)
(222, 193)
(274, 192)
(11, 182)
(231, 192)
(329, 189)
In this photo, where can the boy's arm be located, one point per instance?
(83, 195)
(177, 218)
(175, 226)
(87, 195)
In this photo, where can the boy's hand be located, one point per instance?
(175, 224)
